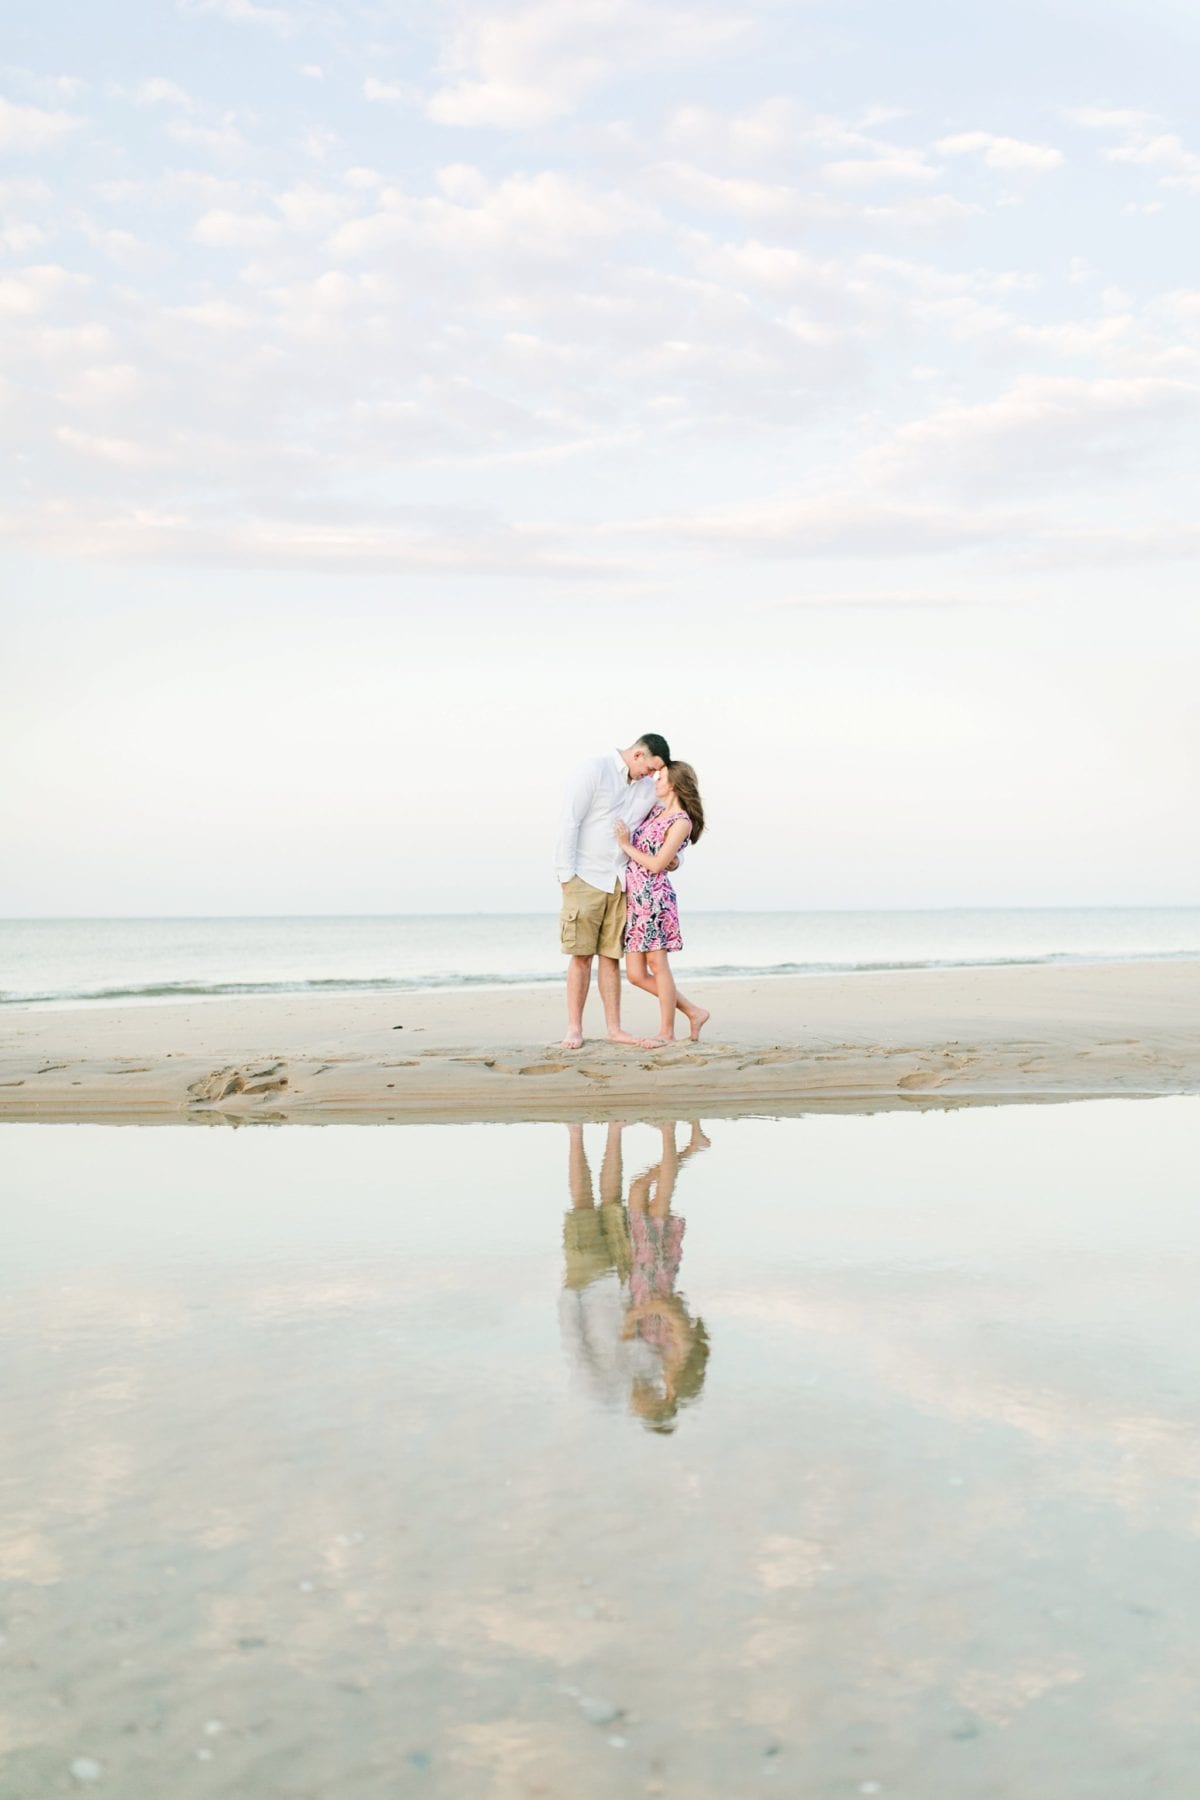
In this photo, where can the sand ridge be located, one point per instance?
(777, 1044)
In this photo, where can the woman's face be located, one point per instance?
(662, 783)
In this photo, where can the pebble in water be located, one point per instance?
(598, 1712)
(86, 1768)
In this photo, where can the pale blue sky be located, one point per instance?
(401, 402)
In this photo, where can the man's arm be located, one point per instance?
(581, 791)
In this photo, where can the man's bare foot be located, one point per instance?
(657, 1043)
(572, 1041)
(698, 1022)
(623, 1037)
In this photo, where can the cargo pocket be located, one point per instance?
(567, 927)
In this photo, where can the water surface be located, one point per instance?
(54, 962)
(831, 1456)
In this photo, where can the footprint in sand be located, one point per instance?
(542, 1069)
(219, 1084)
(926, 1080)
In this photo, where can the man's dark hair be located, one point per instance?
(657, 746)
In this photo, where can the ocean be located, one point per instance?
(56, 962)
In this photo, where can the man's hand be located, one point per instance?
(672, 866)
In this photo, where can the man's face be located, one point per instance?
(644, 763)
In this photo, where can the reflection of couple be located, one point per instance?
(629, 1332)
(626, 819)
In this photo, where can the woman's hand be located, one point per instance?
(621, 832)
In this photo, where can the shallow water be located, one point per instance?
(56, 962)
(851, 1455)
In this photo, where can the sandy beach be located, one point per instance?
(780, 1045)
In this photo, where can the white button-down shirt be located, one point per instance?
(598, 794)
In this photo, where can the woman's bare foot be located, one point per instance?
(572, 1041)
(698, 1020)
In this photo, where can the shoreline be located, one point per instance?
(349, 991)
(780, 1043)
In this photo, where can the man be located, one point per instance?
(591, 869)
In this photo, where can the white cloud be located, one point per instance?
(20, 238)
(1078, 337)
(158, 91)
(764, 131)
(836, 523)
(123, 248)
(31, 291)
(543, 216)
(224, 230)
(529, 64)
(23, 193)
(1043, 428)
(222, 140)
(122, 452)
(866, 171)
(241, 12)
(1166, 152)
(387, 90)
(739, 196)
(931, 213)
(45, 88)
(1109, 118)
(395, 543)
(213, 315)
(306, 208)
(102, 387)
(1001, 152)
(28, 129)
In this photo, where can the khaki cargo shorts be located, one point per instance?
(592, 920)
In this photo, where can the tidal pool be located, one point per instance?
(826, 1456)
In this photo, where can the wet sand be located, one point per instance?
(783, 1044)
(337, 1474)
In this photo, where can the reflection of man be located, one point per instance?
(596, 1267)
(591, 871)
(629, 1333)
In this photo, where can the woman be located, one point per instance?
(652, 921)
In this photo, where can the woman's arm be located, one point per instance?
(654, 865)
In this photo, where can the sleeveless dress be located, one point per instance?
(652, 918)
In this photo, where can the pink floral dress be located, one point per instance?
(652, 919)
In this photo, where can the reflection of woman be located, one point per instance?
(630, 1333)
(652, 917)
(657, 1316)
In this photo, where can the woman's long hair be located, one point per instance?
(687, 792)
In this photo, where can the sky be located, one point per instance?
(401, 403)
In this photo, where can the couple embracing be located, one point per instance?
(627, 816)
